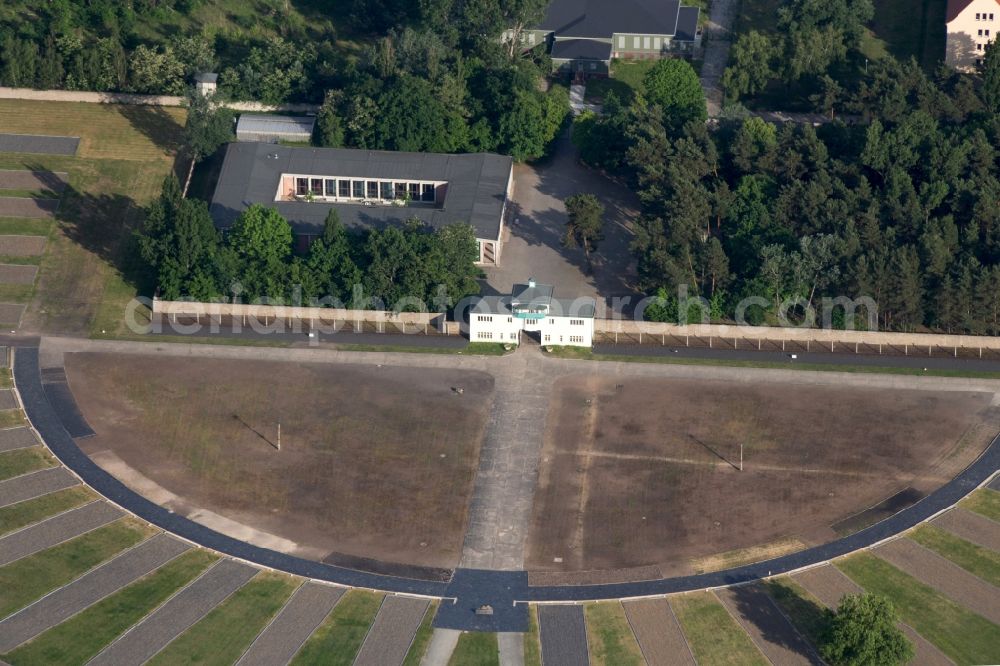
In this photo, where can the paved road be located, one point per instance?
(294, 624)
(88, 589)
(498, 588)
(718, 39)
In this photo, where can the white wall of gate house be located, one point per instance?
(603, 329)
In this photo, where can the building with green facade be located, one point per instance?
(584, 36)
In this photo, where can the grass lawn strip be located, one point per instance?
(423, 637)
(713, 634)
(226, 632)
(802, 609)
(985, 502)
(476, 648)
(22, 461)
(336, 642)
(84, 635)
(975, 559)
(964, 636)
(31, 577)
(970, 526)
(25, 513)
(767, 626)
(11, 418)
(532, 645)
(943, 575)
(610, 636)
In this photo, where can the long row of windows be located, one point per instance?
(646, 43)
(346, 188)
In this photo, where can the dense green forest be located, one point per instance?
(414, 75)
(181, 254)
(902, 206)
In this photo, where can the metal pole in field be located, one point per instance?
(279, 435)
(741, 456)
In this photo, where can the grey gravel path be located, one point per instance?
(38, 144)
(500, 510)
(55, 530)
(392, 632)
(35, 484)
(658, 632)
(17, 438)
(88, 589)
(944, 576)
(771, 631)
(970, 526)
(286, 634)
(171, 619)
(440, 648)
(563, 634)
(511, 647)
(7, 399)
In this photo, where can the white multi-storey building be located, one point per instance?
(531, 310)
(972, 26)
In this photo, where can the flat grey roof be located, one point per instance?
(573, 49)
(687, 24)
(603, 18)
(270, 124)
(476, 190)
(532, 293)
(582, 307)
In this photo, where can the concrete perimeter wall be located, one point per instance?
(141, 100)
(310, 316)
(634, 329)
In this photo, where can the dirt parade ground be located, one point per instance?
(375, 462)
(639, 472)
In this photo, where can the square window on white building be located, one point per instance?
(645, 43)
(621, 41)
(656, 43)
(636, 41)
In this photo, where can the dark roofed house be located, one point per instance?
(369, 189)
(584, 36)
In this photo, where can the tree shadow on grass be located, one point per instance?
(156, 124)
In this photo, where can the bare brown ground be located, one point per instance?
(639, 472)
(944, 576)
(26, 207)
(54, 181)
(375, 462)
(658, 632)
(22, 246)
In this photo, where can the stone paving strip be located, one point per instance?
(54, 181)
(290, 628)
(7, 399)
(17, 438)
(90, 588)
(57, 529)
(390, 636)
(944, 576)
(659, 634)
(28, 207)
(769, 629)
(511, 647)
(176, 615)
(18, 273)
(22, 246)
(11, 313)
(829, 584)
(441, 647)
(563, 634)
(35, 484)
(38, 144)
(970, 526)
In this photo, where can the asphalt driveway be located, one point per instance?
(534, 246)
